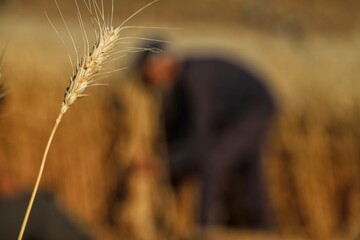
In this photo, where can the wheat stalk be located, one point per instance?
(2, 92)
(89, 71)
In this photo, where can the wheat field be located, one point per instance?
(103, 167)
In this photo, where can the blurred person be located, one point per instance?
(216, 115)
(47, 220)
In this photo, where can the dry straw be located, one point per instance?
(90, 67)
(2, 91)
(2, 88)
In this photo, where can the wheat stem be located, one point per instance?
(88, 71)
(34, 192)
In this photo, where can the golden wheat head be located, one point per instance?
(92, 62)
(89, 66)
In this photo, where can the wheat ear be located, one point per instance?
(87, 72)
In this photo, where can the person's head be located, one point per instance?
(158, 67)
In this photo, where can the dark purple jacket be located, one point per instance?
(209, 101)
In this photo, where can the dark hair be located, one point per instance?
(151, 48)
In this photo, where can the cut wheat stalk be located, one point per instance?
(90, 66)
(3, 92)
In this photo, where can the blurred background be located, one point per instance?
(309, 53)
